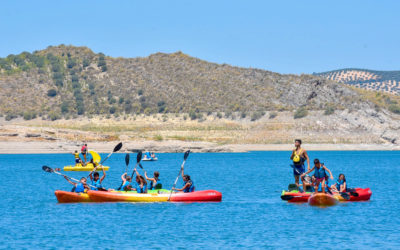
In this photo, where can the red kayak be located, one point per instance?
(355, 194)
(322, 200)
(198, 196)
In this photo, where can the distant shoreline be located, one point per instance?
(56, 147)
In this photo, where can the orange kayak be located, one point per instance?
(67, 197)
(322, 199)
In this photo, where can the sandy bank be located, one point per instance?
(46, 147)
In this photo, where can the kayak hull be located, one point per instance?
(359, 194)
(88, 167)
(295, 196)
(152, 159)
(322, 200)
(70, 197)
(198, 196)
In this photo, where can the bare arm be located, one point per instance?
(182, 172)
(330, 173)
(309, 171)
(123, 177)
(291, 157)
(72, 183)
(91, 175)
(183, 188)
(104, 175)
(147, 178)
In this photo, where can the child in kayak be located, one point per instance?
(77, 158)
(141, 183)
(96, 180)
(340, 185)
(155, 182)
(126, 182)
(188, 184)
(319, 175)
(80, 187)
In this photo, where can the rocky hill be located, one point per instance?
(387, 81)
(235, 105)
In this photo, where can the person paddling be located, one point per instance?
(320, 175)
(78, 159)
(84, 151)
(96, 180)
(299, 156)
(141, 183)
(126, 182)
(188, 183)
(155, 182)
(80, 187)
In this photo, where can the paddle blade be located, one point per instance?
(127, 159)
(118, 147)
(139, 157)
(140, 165)
(287, 197)
(345, 196)
(186, 155)
(47, 169)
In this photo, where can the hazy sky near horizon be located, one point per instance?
(281, 36)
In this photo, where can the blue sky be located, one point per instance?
(281, 36)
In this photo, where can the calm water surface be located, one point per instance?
(250, 215)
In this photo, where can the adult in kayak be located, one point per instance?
(299, 156)
(96, 180)
(188, 185)
(319, 174)
(340, 185)
(141, 183)
(126, 182)
(155, 182)
(84, 151)
(80, 187)
(78, 159)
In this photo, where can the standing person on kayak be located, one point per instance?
(84, 151)
(78, 159)
(320, 175)
(299, 156)
(96, 180)
(155, 182)
(80, 187)
(188, 184)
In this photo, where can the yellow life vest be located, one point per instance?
(297, 156)
(76, 155)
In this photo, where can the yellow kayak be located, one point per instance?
(87, 167)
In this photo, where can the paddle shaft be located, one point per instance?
(176, 180)
(72, 178)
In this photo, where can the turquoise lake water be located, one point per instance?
(251, 214)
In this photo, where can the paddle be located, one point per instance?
(116, 148)
(138, 159)
(126, 168)
(50, 170)
(185, 156)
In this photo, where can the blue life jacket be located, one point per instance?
(127, 183)
(319, 173)
(140, 190)
(189, 189)
(97, 184)
(79, 188)
(158, 184)
(339, 183)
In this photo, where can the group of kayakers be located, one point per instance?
(141, 184)
(319, 179)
